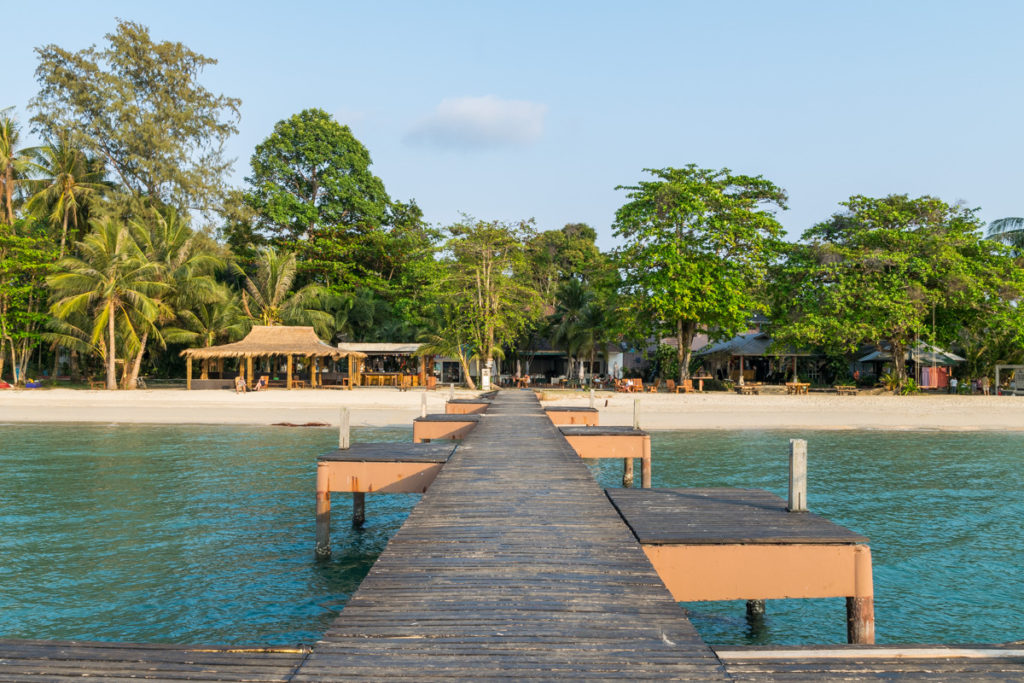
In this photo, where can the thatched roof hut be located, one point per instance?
(263, 341)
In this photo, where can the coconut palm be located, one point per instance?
(113, 282)
(567, 330)
(268, 298)
(66, 181)
(1008, 231)
(13, 162)
(209, 323)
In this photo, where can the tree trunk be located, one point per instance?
(465, 371)
(137, 363)
(64, 233)
(111, 349)
(3, 347)
(73, 369)
(205, 374)
(899, 364)
(685, 331)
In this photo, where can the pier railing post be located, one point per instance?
(627, 463)
(423, 404)
(797, 475)
(344, 430)
(645, 464)
(323, 511)
(591, 398)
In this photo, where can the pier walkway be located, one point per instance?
(513, 564)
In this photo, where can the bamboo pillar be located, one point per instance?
(423, 372)
(351, 371)
(188, 373)
(248, 372)
(288, 383)
(312, 372)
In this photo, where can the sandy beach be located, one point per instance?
(388, 406)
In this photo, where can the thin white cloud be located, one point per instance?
(480, 123)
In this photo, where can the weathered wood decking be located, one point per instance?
(513, 565)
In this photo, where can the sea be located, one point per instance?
(204, 534)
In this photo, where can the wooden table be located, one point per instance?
(845, 390)
(748, 389)
(797, 387)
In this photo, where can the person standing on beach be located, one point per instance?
(952, 385)
(984, 385)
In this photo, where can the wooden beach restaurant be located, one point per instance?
(275, 342)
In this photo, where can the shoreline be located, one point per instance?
(378, 407)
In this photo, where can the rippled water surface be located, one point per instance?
(205, 534)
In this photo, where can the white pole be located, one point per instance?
(636, 413)
(797, 475)
(344, 430)
(423, 404)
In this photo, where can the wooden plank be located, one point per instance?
(721, 516)
(512, 565)
(438, 451)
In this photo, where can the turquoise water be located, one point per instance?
(205, 534)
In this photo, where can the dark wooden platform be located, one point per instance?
(569, 409)
(449, 417)
(875, 663)
(49, 660)
(470, 401)
(721, 515)
(513, 565)
(438, 451)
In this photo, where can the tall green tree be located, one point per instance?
(138, 104)
(696, 245)
(879, 270)
(14, 162)
(268, 297)
(488, 283)
(27, 257)
(67, 180)
(557, 256)
(568, 329)
(217, 320)
(112, 282)
(311, 175)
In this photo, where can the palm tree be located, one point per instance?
(67, 180)
(1008, 231)
(217, 321)
(567, 331)
(187, 262)
(13, 162)
(268, 299)
(114, 283)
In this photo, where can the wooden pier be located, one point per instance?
(515, 564)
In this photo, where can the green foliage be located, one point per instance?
(27, 257)
(558, 256)
(910, 387)
(268, 298)
(697, 242)
(139, 106)
(311, 180)
(667, 359)
(878, 270)
(890, 381)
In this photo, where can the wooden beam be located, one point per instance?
(188, 373)
(288, 384)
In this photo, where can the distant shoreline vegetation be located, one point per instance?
(121, 244)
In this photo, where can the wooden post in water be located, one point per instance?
(860, 607)
(645, 465)
(423, 404)
(323, 511)
(358, 509)
(797, 475)
(627, 463)
(358, 497)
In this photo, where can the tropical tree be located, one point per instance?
(878, 271)
(268, 298)
(697, 243)
(216, 321)
(26, 258)
(67, 181)
(1009, 231)
(112, 282)
(488, 282)
(568, 328)
(139, 106)
(13, 163)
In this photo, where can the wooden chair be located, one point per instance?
(638, 385)
(653, 389)
(670, 386)
(686, 386)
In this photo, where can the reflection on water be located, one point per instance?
(205, 534)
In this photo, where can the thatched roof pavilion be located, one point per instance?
(264, 341)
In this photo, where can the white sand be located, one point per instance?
(388, 406)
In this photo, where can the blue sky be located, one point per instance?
(539, 109)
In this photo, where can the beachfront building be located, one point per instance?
(752, 355)
(286, 356)
(930, 366)
(390, 364)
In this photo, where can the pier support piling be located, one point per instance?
(627, 473)
(645, 465)
(323, 511)
(755, 614)
(344, 430)
(358, 509)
